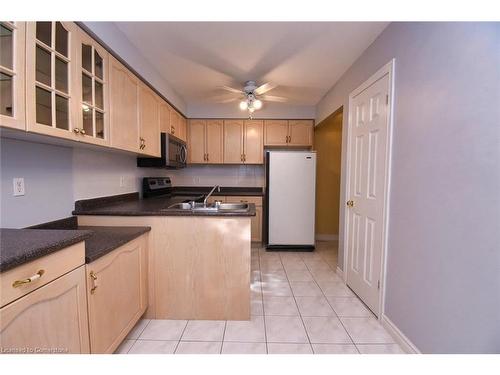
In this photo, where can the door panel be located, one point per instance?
(196, 141)
(300, 132)
(119, 297)
(367, 175)
(233, 141)
(276, 132)
(124, 107)
(164, 118)
(253, 150)
(51, 317)
(214, 141)
(149, 121)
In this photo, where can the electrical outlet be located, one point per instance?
(18, 186)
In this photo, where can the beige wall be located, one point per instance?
(328, 142)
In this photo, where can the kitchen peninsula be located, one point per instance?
(199, 261)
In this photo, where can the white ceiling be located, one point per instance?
(304, 58)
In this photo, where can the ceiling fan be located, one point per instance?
(252, 96)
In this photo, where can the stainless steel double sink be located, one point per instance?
(210, 207)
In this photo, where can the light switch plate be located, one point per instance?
(18, 186)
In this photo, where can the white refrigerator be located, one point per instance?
(290, 199)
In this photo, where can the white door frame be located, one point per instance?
(387, 69)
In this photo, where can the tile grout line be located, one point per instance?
(296, 305)
(263, 307)
(180, 337)
(335, 312)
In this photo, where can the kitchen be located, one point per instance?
(152, 205)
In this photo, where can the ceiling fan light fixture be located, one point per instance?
(243, 105)
(257, 104)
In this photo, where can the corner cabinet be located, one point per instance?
(124, 107)
(117, 294)
(51, 69)
(12, 75)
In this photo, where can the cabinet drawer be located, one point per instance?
(245, 199)
(52, 266)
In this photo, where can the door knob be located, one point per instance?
(350, 203)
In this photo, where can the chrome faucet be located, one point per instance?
(209, 194)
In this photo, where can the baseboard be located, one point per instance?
(327, 237)
(340, 273)
(403, 341)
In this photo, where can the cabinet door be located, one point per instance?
(51, 96)
(253, 142)
(214, 141)
(92, 80)
(175, 120)
(182, 134)
(165, 117)
(53, 317)
(233, 141)
(124, 107)
(149, 121)
(256, 225)
(276, 132)
(196, 142)
(300, 132)
(12, 90)
(117, 294)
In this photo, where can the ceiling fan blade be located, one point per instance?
(229, 100)
(230, 89)
(262, 89)
(271, 98)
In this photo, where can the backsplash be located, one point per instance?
(69, 174)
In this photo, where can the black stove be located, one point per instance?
(154, 187)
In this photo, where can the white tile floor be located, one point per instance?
(299, 306)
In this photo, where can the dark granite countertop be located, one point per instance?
(132, 205)
(101, 240)
(19, 246)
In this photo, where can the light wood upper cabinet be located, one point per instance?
(12, 75)
(53, 316)
(233, 141)
(165, 117)
(124, 107)
(300, 132)
(288, 133)
(149, 121)
(51, 69)
(196, 141)
(214, 141)
(117, 294)
(253, 149)
(276, 132)
(205, 141)
(175, 123)
(182, 134)
(92, 83)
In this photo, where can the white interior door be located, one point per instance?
(367, 190)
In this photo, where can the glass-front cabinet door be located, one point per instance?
(92, 83)
(12, 58)
(50, 78)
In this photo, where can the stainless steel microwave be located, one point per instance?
(173, 154)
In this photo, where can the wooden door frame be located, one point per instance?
(387, 69)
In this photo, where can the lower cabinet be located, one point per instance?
(117, 294)
(50, 319)
(256, 222)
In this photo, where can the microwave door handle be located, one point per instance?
(183, 154)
